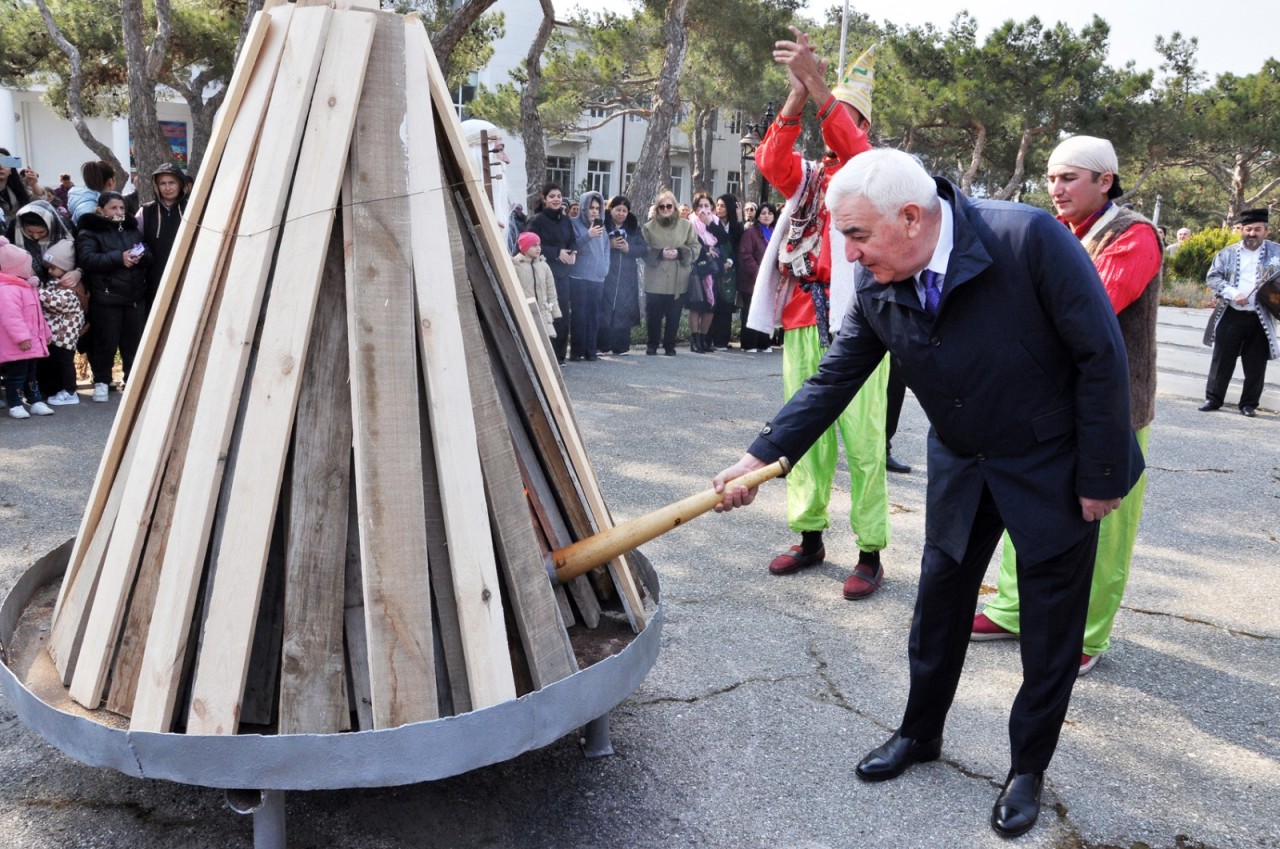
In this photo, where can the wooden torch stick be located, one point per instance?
(586, 554)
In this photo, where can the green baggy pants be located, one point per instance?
(1116, 537)
(861, 427)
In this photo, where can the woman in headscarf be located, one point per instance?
(620, 303)
(707, 269)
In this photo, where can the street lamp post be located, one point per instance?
(750, 141)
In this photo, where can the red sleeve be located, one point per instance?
(840, 133)
(1128, 264)
(777, 158)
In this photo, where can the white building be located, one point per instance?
(599, 159)
(603, 158)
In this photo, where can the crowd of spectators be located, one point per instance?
(594, 272)
(79, 269)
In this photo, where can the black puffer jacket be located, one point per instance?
(100, 248)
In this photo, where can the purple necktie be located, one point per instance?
(932, 281)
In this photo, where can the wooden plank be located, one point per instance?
(114, 572)
(542, 502)
(235, 326)
(444, 604)
(445, 373)
(523, 569)
(384, 399)
(262, 672)
(313, 699)
(252, 54)
(548, 374)
(353, 618)
(239, 560)
(128, 663)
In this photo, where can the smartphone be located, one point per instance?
(14, 162)
(137, 250)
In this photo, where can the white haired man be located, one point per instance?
(1008, 341)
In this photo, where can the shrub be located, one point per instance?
(1191, 261)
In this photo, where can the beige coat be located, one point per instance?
(539, 289)
(669, 276)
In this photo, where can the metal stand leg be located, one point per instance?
(267, 807)
(598, 743)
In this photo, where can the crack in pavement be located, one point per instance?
(1235, 632)
(1210, 470)
(694, 699)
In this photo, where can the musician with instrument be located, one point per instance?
(1242, 326)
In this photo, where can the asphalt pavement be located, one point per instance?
(768, 689)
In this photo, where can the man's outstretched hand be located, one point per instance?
(736, 496)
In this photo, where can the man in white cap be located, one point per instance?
(800, 289)
(1083, 181)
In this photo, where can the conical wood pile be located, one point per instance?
(345, 449)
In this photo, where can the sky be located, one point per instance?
(1238, 40)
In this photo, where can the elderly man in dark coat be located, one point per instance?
(1005, 335)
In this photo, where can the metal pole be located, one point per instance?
(1155, 214)
(844, 35)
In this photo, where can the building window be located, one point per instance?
(677, 181)
(711, 183)
(733, 184)
(560, 172)
(464, 94)
(734, 124)
(597, 112)
(598, 173)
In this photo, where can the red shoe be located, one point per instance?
(984, 629)
(863, 582)
(794, 559)
(1087, 662)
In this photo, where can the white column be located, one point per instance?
(120, 146)
(9, 123)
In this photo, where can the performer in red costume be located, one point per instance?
(802, 289)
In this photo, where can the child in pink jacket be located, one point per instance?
(24, 335)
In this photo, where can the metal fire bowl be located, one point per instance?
(423, 751)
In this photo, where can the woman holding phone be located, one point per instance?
(13, 192)
(586, 278)
(110, 252)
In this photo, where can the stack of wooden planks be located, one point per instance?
(345, 449)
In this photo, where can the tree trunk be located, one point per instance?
(444, 41)
(535, 149)
(1014, 186)
(1239, 180)
(74, 85)
(975, 161)
(697, 150)
(649, 177)
(150, 147)
(202, 114)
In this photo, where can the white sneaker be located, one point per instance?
(100, 391)
(63, 398)
(40, 408)
(19, 412)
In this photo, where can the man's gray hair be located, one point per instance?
(889, 178)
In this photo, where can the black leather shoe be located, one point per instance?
(893, 464)
(1018, 804)
(1209, 406)
(1248, 411)
(896, 754)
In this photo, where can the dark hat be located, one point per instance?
(1254, 216)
